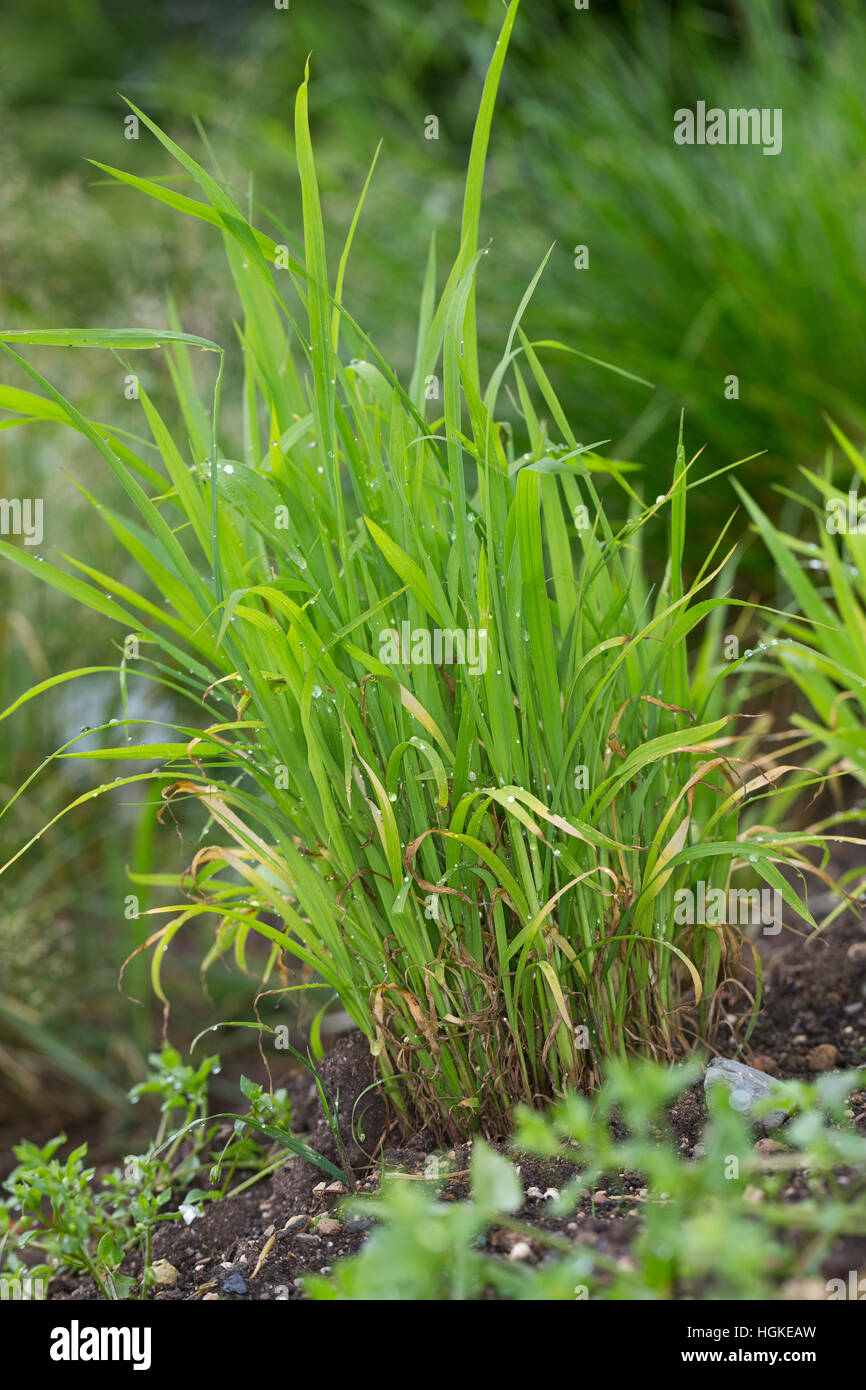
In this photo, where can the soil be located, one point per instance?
(260, 1244)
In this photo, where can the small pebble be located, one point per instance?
(165, 1275)
(766, 1064)
(356, 1221)
(822, 1057)
(804, 1291)
(767, 1146)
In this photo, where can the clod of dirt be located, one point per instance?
(349, 1077)
(687, 1118)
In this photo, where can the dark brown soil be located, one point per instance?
(814, 996)
(260, 1244)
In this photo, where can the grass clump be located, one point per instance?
(443, 724)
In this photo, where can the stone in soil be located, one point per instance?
(746, 1086)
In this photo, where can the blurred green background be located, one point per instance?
(703, 263)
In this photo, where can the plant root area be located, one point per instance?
(261, 1243)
